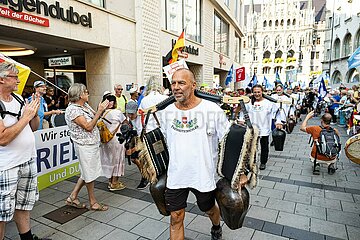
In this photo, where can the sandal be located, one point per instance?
(102, 207)
(74, 203)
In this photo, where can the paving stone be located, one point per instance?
(311, 191)
(266, 183)
(244, 232)
(310, 211)
(253, 223)
(356, 198)
(279, 174)
(281, 205)
(60, 236)
(350, 207)
(346, 184)
(353, 232)
(326, 203)
(297, 197)
(75, 225)
(126, 221)
(258, 200)
(263, 213)
(120, 234)
(328, 228)
(287, 181)
(298, 177)
(88, 233)
(134, 205)
(151, 211)
(323, 181)
(339, 196)
(200, 224)
(293, 220)
(273, 179)
(267, 192)
(333, 188)
(116, 200)
(352, 219)
(273, 228)
(294, 233)
(150, 228)
(42, 209)
(262, 235)
(274, 168)
(254, 191)
(286, 187)
(105, 216)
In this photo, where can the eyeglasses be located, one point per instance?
(120, 89)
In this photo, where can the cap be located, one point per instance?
(131, 107)
(106, 93)
(38, 83)
(132, 90)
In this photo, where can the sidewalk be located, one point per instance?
(289, 203)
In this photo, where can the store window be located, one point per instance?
(347, 45)
(184, 13)
(237, 48)
(221, 35)
(99, 3)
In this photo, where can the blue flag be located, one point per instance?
(322, 89)
(354, 59)
(229, 76)
(267, 84)
(277, 78)
(253, 81)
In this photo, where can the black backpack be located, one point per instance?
(3, 111)
(328, 143)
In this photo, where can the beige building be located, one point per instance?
(102, 42)
(287, 37)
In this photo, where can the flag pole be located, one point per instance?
(48, 81)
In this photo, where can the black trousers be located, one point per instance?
(332, 112)
(264, 144)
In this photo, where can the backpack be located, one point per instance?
(105, 134)
(328, 143)
(3, 111)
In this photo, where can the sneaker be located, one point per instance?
(143, 184)
(37, 238)
(216, 234)
(316, 170)
(331, 169)
(262, 166)
(117, 186)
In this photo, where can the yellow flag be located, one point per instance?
(180, 43)
(24, 72)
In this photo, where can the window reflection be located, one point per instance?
(99, 3)
(221, 35)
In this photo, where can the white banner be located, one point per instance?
(171, 68)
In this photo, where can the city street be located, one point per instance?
(289, 203)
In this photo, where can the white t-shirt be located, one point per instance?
(22, 148)
(116, 117)
(192, 137)
(282, 114)
(261, 114)
(150, 100)
(136, 124)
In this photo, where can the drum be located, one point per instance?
(352, 148)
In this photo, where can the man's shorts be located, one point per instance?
(18, 189)
(176, 199)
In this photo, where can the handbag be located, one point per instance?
(105, 134)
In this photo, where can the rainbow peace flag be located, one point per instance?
(24, 72)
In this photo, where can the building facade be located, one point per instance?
(342, 39)
(285, 37)
(111, 41)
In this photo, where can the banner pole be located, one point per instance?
(48, 81)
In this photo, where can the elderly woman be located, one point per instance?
(81, 120)
(113, 153)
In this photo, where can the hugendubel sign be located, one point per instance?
(16, 8)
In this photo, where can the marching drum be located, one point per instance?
(352, 148)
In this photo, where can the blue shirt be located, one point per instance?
(335, 105)
(41, 111)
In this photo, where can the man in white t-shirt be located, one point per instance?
(261, 112)
(192, 128)
(18, 181)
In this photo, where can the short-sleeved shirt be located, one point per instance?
(77, 133)
(315, 133)
(121, 103)
(41, 112)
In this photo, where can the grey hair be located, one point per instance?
(153, 85)
(6, 67)
(116, 85)
(75, 92)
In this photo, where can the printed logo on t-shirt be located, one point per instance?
(257, 107)
(184, 125)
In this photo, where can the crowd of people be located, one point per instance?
(190, 120)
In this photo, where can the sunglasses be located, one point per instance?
(120, 89)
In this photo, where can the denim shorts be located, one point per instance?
(18, 189)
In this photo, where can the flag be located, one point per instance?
(267, 84)
(168, 57)
(24, 72)
(319, 78)
(322, 89)
(354, 59)
(246, 82)
(180, 43)
(229, 76)
(253, 81)
(277, 78)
